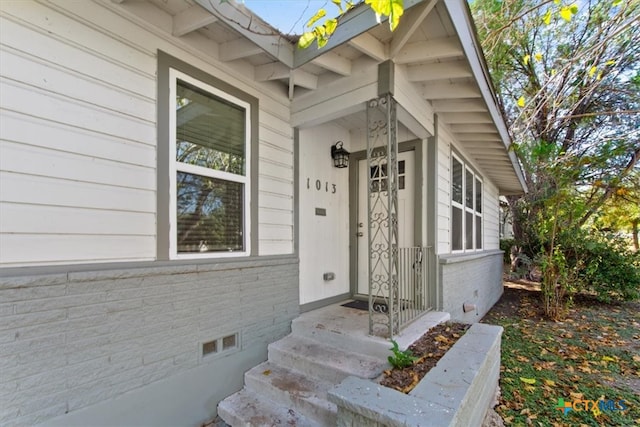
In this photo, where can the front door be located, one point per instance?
(406, 203)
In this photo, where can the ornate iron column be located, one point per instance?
(382, 191)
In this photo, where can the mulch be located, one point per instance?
(429, 349)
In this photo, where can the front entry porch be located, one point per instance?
(325, 347)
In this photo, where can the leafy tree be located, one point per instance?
(568, 79)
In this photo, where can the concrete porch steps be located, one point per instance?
(325, 347)
(248, 409)
(320, 360)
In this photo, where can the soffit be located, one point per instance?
(430, 59)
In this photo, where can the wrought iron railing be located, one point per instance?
(414, 293)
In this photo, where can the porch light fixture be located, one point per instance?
(339, 155)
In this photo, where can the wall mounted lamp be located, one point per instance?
(339, 155)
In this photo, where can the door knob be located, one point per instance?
(359, 234)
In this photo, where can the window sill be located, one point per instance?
(464, 257)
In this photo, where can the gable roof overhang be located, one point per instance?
(440, 70)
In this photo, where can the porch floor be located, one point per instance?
(349, 326)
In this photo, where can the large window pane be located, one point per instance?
(209, 214)
(469, 189)
(468, 235)
(478, 232)
(456, 229)
(478, 196)
(210, 131)
(456, 181)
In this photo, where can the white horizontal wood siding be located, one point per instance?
(443, 195)
(78, 135)
(490, 209)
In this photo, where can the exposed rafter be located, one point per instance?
(438, 71)
(429, 50)
(459, 105)
(476, 128)
(248, 25)
(408, 26)
(453, 118)
(357, 21)
(370, 46)
(271, 71)
(333, 62)
(483, 137)
(237, 49)
(442, 90)
(191, 19)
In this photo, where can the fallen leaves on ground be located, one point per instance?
(593, 354)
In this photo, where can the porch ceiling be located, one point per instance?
(434, 49)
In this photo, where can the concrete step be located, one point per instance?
(343, 327)
(293, 390)
(246, 409)
(323, 361)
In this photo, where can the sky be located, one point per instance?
(289, 16)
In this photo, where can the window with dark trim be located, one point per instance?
(207, 165)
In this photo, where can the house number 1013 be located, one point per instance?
(319, 186)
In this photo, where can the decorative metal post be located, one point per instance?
(382, 191)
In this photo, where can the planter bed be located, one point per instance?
(458, 391)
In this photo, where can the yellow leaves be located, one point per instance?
(538, 56)
(608, 359)
(526, 58)
(567, 12)
(521, 102)
(528, 380)
(306, 39)
(550, 383)
(547, 17)
(267, 372)
(592, 71)
(319, 15)
(391, 8)
(636, 358)
(616, 3)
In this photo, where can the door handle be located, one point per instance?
(359, 234)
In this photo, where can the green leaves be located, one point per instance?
(400, 359)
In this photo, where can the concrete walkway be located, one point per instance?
(325, 347)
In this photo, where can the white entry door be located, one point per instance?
(406, 203)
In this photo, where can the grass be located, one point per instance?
(593, 355)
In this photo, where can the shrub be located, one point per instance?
(604, 266)
(505, 246)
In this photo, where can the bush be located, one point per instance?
(506, 245)
(604, 266)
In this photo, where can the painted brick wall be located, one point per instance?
(72, 339)
(475, 279)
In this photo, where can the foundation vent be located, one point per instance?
(220, 345)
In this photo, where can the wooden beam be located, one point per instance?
(449, 91)
(409, 23)
(237, 49)
(357, 21)
(438, 71)
(464, 118)
(370, 46)
(191, 19)
(271, 71)
(333, 62)
(479, 137)
(475, 128)
(252, 27)
(429, 50)
(459, 105)
(304, 79)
